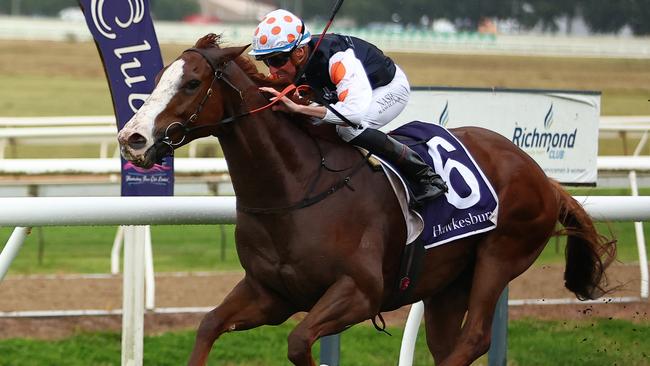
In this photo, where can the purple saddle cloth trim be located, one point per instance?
(471, 205)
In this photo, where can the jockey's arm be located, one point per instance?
(352, 87)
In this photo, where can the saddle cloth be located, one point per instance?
(471, 205)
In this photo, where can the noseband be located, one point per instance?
(218, 74)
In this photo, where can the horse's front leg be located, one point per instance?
(247, 306)
(343, 304)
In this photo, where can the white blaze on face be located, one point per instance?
(143, 121)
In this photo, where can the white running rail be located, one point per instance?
(24, 213)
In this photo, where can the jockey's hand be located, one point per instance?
(297, 98)
(284, 105)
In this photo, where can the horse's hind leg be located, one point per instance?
(500, 258)
(247, 306)
(444, 313)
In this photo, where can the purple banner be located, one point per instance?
(127, 43)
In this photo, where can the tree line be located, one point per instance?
(601, 16)
(160, 9)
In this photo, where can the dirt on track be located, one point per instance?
(24, 293)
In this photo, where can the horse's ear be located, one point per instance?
(207, 41)
(231, 53)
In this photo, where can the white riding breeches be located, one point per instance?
(388, 102)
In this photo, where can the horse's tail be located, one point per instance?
(588, 253)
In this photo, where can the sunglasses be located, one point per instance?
(278, 60)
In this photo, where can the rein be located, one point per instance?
(309, 200)
(335, 10)
(218, 74)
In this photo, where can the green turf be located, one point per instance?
(530, 343)
(266, 346)
(72, 81)
(35, 95)
(625, 102)
(88, 249)
(572, 343)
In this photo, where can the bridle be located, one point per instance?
(310, 198)
(218, 74)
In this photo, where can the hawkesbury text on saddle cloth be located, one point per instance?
(471, 205)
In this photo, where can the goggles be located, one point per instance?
(278, 60)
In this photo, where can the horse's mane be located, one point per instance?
(247, 64)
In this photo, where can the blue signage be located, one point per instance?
(127, 43)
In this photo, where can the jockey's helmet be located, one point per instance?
(279, 31)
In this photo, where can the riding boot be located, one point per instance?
(423, 181)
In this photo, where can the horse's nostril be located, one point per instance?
(136, 141)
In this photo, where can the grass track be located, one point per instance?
(87, 249)
(44, 69)
(531, 343)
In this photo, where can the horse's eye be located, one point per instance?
(192, 84)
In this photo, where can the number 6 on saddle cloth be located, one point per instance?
(469, 207)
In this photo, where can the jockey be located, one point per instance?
(356, 80)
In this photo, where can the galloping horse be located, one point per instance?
(320, 231)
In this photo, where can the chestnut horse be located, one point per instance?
(320, 231)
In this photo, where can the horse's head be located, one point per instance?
(177, 110)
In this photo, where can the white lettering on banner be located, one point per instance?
(145, 46)
(130, 80)
(135, 63)
(141, 179)
(135, 96)
(97, 12)
(136, 14)
(445, 172)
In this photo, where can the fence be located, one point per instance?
(29, 167)
(102, 127)
(85, 211)
(100, 130)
